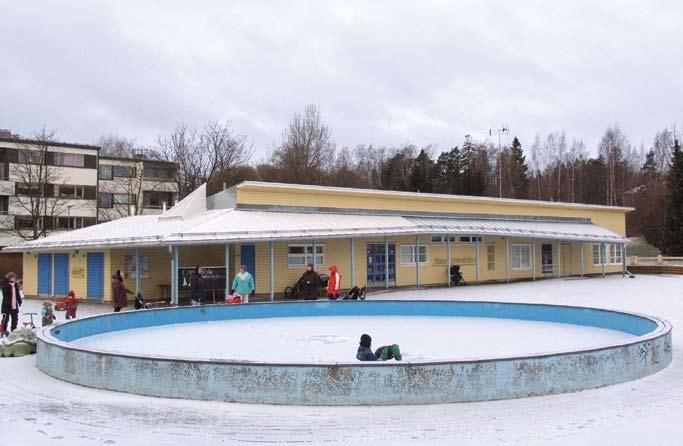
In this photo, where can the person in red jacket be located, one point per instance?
(71, 305)
(334, 283)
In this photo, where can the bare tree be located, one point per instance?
(117, 146)
(36, 178)
(201, 155)
(306, 150)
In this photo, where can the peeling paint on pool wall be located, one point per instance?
(356, 383)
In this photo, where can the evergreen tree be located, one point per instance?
(650, 170)
(519, 179)
(447, 176)
(473, 176)
(673, 221)
(421, 173)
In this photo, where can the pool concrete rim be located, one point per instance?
(663, 328)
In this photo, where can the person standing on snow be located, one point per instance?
(243, 284)
(309, 283)
(11, 300)
(197, 286)
(333, 284)
(119, 293)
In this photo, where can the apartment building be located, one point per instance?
(136, 186)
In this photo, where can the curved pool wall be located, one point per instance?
(356, 383)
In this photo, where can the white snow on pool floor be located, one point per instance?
(330, 339)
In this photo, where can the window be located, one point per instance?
(158, 172)
(123, 199)
(4, 204)
(470, 239)
(123, 171)
(155, 199)
(299, 256)
(28, 189)
(408, 254)
(598, 259)
(69, 222)
(437, 239)
(27, 156)
(521, 256)
(129, 267)
(491, 257)
(71, 191)
(615, 254)
(106, 173)
(69, 159)
(105, 200)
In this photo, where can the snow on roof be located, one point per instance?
(235, 226)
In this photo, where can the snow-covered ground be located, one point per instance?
(37, 409)
(330, 339)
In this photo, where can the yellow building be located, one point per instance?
(376, 238)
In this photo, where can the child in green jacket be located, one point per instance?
(243, 284)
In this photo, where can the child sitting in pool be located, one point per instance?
(383, 353)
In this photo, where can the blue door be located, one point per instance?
(248, 259)
(96, 275)
(61, 274)
(44, 274)
(377, 264)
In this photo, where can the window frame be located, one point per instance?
(613, 249)
(130, 174)
(520, 247)
(602, 251)
(102, 168)
(307, 254)
(61, 157)
(490, 257)
(115, 202)
(412, 254)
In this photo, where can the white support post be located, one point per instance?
(603, 255)
(507, 259)
(137, 270)
(533, 259)
(417, 260)
(448, 265)
(227, 269)
(559, 260)
(476, 255)
(272, 272)
(623, 261)
(314, 248)
(386, 263)
(175, 297)
(353, 263)
(581, 257)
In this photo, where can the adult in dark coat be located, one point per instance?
(119, 293)
(309, 283)
(11, 299)
(197, 286)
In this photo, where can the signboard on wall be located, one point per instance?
(78, 273)
(214, 277)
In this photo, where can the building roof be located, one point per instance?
(420, 195)
(50, 143)
(190, 222)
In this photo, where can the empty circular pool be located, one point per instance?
(304, 352)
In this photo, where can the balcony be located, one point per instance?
(6, 187)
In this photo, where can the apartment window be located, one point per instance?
(408, 254)
(23, 222)
(71, 191)
(521, 256)
(438, 239)
(28, 189)
(615, 254)
(106, 173)
(70, 222)
(158, 172)
(124, 199)
(155, 199)
(69, 159)
(123, 171)
(599, 254)
(491, 257)
(27, 156)
(4, 204)
(105, 200)
(469, 239)
(299, 256)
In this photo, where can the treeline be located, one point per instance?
(552, 167)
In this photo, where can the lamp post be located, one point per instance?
(503, 130)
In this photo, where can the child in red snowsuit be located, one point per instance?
(334, 283)
(71, 305)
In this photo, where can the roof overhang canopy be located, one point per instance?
(239, 226)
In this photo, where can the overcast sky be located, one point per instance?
(385, 73)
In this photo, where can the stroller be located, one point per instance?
(140, 303)
(456, 276)
(355, 293)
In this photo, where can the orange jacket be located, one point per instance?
(334, 284)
